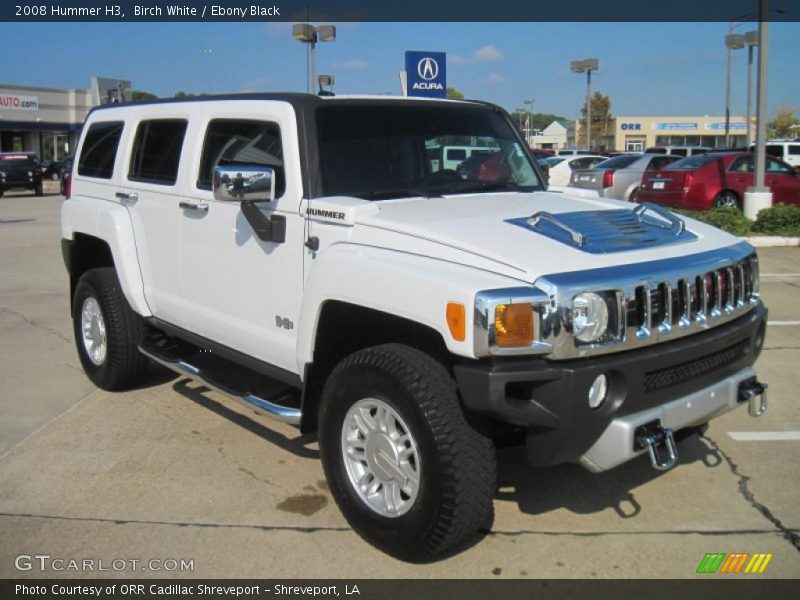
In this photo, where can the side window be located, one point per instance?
(742, 164)
(679, 151)
(794, 149)
(238, 142)
(157, 151)
(99, 150)
(776, 166)
(775, 150)
(456, 154)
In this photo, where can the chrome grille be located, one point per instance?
(656, 301)
(689, 301)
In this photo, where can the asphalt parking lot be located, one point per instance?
(174, 471)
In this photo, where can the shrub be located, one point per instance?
(728, 219)
(781, 219)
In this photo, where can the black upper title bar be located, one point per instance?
(386, 10)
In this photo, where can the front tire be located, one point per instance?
(107, 331)
(409, 473)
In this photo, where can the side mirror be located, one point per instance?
(239, 183)
(248, 184)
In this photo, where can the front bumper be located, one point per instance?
(549, 399)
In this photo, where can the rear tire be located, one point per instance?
(107, 331)
(632, 197)
(727, 199)
(390, 421)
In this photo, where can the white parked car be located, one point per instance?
(300, 255)
(561, 167)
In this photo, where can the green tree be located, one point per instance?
(141, 96)
(454, 94)
(182, 94)
(601, 120)
(784, 125)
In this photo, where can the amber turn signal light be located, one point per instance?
(513, 325)
(456, 321)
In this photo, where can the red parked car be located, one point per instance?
(716, 179)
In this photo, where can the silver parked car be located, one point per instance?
(619, 177)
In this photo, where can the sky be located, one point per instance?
(662, 69)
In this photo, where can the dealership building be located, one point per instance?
(634, 134)
(47, 121)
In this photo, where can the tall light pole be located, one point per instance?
(751, 38)
(528, 103)
(308, 34)
(587, 65)
(759, 197)
(733, 41)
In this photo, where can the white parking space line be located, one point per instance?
(765, 436)
(783, 323)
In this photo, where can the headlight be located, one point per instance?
(30, 173)
(589, 317)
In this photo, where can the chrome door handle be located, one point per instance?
(128, 197)
(195, 207)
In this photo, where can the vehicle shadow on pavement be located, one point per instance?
(570, 486)
(299, 446)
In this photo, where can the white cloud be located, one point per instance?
(489, 54)
(354, 64)
(496, 79)
(457, 59)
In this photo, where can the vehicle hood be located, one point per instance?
(480, 226)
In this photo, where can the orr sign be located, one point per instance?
(15, 102)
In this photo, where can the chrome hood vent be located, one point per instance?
(608, 231)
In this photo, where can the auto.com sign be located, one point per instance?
(14, 102)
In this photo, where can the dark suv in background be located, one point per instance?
(20, 170)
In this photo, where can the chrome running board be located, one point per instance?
(262, 406)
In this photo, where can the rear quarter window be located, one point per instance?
(99, 150)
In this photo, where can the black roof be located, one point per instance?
(299, 101)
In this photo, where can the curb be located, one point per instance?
(772, 241)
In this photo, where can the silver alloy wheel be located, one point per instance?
(727, 201)
(381, 457)
(93, 327)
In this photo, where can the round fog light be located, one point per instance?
(598, 391)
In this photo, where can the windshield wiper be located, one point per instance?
(484, 186)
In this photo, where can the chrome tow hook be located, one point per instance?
(754, 393)
(659, 443)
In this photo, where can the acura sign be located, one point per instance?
(426, 72)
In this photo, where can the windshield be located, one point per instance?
(383, 151)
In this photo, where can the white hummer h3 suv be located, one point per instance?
(309, 258)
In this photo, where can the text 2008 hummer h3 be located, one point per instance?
(412, 315)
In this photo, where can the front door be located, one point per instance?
(240, 291)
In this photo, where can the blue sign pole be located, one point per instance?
(427, 74)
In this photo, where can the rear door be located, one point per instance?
(739, 175)
(149, 188)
